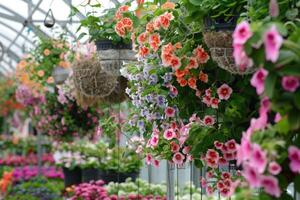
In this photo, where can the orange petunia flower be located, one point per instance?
(47, 52)
(168, 6)
(203, 77)
(182, 82)
(192, 83)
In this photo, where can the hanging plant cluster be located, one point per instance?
(38, 69)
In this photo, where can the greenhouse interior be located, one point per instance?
(149, 100)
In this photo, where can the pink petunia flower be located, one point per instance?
(241, 58)
(270, 184)
(294, 156)
(175, 62)
(218, 144)
(170, 112)
(252, 176)
(186, 150)
(215, 103)
(208, 120)
(178, 158)
(156, 163)
(169, 134)
(272, 41)
(224, 92)
(154, 140)
(258, 80)
(258, 159)
(290, 83)
(274, 168)
(174, 147)
(148, 159)
(242, 33)
(209, 190)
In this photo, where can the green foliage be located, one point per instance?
(99, 26)
(36, 189)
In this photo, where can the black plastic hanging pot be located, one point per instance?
(113, 176)
(108, 44)
(49, 20)
(90, 174)
(72, 176)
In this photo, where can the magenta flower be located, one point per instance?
(241, 58)
(290, 83)
(258, 159)
(224, 92)
(294, 156)
(148, 159)
(252, 176)
(169, 134)
(178, 158)
(208, 120)
(170, 112)
(154, 140)
(258, 80)
(272, 41)
(242, 33)
(156, 163)
(274, 168)
(270, 184)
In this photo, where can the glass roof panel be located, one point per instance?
(17, 6)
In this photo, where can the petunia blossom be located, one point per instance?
(252, 176)
(169, 134)
(224, 92)
(258, 158)
(178, 158)
(294, 156)
(272, 41)
(242, 33)
(208, 120)
(270, 185)
(170, 112)
(274, 168)
(258, 80)
(290, 83)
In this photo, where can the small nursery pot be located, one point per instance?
(89, 174)
(112, 176)
(72, 176)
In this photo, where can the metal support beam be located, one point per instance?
(79, 14)
(9, 39)
(15, 30)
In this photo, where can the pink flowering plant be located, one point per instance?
(170, 84)
(269, 149)
(63, 119)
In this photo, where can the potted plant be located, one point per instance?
(45, 64)
(90, 162)
(118, 164)
(38, 188)
(69, 158)
(112, 49)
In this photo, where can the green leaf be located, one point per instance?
(196, 2)
(297, 99)
(74, 11)
(291, 70)
(282, 126)
(81, 36)
(297, 183)
(294, 119)
(270, 83)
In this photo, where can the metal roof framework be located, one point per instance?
(21, 21)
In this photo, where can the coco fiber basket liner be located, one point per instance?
(220, 46)
(92, 81)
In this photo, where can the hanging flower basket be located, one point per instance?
(112, 56)
(92, 81)
(218, 38)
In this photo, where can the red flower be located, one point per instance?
(182, 82)
(215, 102)
(144, 51)
(201, 55)
(208, 120)
(203, 77)
(193, 64)
(142, 38)
(192, 82)
(224, 92)
(175, 62)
